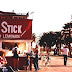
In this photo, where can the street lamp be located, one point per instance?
(32, 14)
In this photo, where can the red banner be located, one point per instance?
(16, 29)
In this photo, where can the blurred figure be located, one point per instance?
(48, 60)
(27, 62)
(43, 59)
(15, 52)
(31, 53)
(55, 51)
(3, 62)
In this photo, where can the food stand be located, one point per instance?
(15, 28)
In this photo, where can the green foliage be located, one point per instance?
(47, 39)
(50, 39)
(67, 39)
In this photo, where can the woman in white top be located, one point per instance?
(15, 52)
(65, 53)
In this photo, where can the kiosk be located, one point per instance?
(15, 28)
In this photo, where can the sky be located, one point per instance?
(47, 15)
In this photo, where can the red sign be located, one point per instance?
(15, 29)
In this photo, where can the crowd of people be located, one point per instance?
(35, 56)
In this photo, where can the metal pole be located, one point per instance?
(69, 42)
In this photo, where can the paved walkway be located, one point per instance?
(55, 66)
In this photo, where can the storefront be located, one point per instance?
(15, 29)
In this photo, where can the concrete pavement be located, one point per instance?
(56, 65)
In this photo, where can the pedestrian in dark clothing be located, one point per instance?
(15, 52)
(36, 61)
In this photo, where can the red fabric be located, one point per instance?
(3, 60)
(36, 51)
(68, 53)
(16, 63)
(36, 46)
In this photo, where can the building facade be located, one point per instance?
(15, 28)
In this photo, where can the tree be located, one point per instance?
(59, 41)
(47, 40)
(68, 38)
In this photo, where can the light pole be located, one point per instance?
(32, 14)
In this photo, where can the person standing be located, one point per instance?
(36, 62)
(3, 62)
(27, 62)
(15, 52)
(65, 54)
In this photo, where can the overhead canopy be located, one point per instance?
(15, 40)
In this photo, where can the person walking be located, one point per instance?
(15, 52)
(65, 51)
